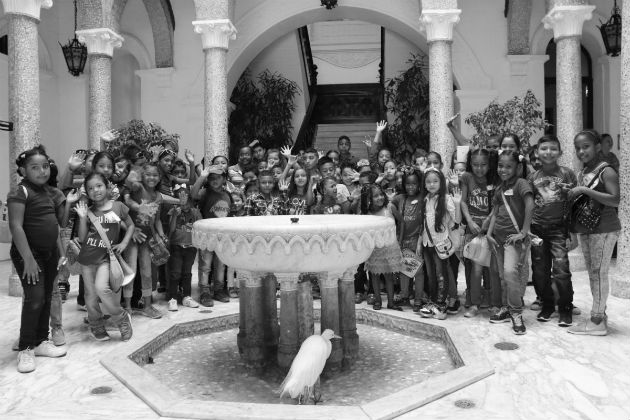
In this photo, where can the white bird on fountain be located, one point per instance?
(303, 377)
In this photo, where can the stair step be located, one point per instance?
(328, 135)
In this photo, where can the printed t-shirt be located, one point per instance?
(478, 199)
(93, 249)
(182, 235)
(214, 203)
(549, 196)
(411, 226)
(515, 196)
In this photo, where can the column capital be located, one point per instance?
(329, 280)
(100, 41)
(29, 8)
(567, 21)
(438, 24)
(215, 33)
(288, 281)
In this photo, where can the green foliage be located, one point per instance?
(521, 116)
(407, 98)
(141, 133)
(264, 110)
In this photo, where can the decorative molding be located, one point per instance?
(566, 21)
(215, 33)
(438, 24)
(519, 64)
(29, 8)
(100, 41)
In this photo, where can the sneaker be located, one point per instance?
(440, 312)
(589, 328)
(566, 319)
(358, 298)
(81, 307)
(48, 349)
(576, 310)
(371, 299)
(125, 327)
(536, 305)
(454, 307)
(26, 361)
(190, 302)
(471, 312)
(151, 312)
(233, 292)
(221, 296)
(494, 309)
(172, 305)
(58, 336)
(206, 299)
(161, 289)
(517, 324)
(544, 315)
(503, 315)
(427, 310)
(99, 333)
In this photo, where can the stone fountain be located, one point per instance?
(264, 250)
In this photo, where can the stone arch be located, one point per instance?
(136, 48)
(163, 26)
(266, 22)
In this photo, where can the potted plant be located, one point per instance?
(141, 133)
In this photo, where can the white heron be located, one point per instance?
(307, 366)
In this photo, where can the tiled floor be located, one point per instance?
(553, 375)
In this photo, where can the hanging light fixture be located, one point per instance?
(329, 4)
(74, 51)
(611, 32)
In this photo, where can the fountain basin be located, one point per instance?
(276, 244)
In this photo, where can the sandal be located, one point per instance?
(417, 307)
(377, 306)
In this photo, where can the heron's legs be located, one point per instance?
(317, 394)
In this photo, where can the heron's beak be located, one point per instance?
(336, 336)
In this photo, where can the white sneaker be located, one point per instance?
(172, 305)
(190, 302)
(48, 349)
(26, 361)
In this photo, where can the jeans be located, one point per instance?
(438, 272)
(204, 265)
(37, 297)
(96, 283)
(551, 258)
(597, 249)
(180, 265)
(510, 260)
(138, 256)
(55, 304)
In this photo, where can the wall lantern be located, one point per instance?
(611, 32)
(74, 51)
(329, 4)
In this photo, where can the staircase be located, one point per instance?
(328, 135)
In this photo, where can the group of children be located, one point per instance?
(142, 206)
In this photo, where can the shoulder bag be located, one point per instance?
(585, 211)
(120, 273)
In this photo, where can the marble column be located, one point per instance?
(215, 38)
(289, 326)
(620, 282)
(270, 309)
(252, 302)
(100, 44)
(241, 277)
(347, 317)
(22, 22)
(566, 21)
(306, 322)
(329, 288)
(438, 25)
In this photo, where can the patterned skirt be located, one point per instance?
(385, 260)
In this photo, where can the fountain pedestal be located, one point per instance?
(347, 317)
(253, 313)
(329, 288)
(289, 325)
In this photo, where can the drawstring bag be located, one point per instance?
(478, 251)
(158, 249)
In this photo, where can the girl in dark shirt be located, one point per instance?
(35, 210)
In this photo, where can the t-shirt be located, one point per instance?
(515, 196)
(150, 209)
(478, 199)
(182, 235)
(411, 227)
(331, 208)
(549, 197)
(40, 222)
(214, 203)
(93, 249)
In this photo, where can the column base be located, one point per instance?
(619, 286)
(350, 344)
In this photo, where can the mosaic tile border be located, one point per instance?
(471, 366)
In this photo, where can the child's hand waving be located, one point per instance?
(82, 210)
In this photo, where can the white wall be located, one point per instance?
(125, 88)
